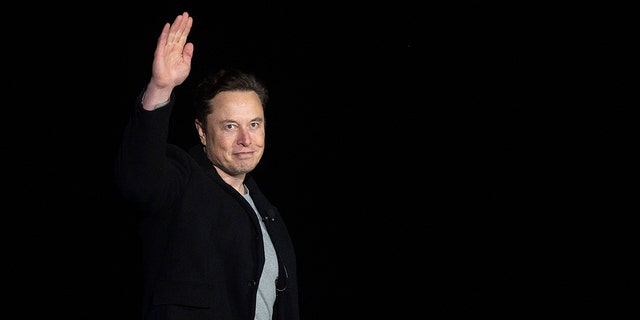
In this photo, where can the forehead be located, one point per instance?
(236, 105)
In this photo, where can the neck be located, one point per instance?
(237, 182)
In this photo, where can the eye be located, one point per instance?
(229, 126)
(255, 124)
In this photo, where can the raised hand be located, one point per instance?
(171, 61)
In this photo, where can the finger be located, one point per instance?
(180, 29)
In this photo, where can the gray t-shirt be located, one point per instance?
(266, 295)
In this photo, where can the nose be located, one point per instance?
(244, 137)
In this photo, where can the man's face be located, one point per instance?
(235, 133)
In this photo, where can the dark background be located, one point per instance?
(443, 160)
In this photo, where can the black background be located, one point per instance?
(442, 160)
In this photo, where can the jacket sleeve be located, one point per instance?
(147, 169)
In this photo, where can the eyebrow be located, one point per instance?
(257, 119)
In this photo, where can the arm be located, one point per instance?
(171, 61)
(143, 171)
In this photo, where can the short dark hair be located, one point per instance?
(225, 80)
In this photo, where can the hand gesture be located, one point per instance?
(171, 60)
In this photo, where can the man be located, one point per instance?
(213, 245)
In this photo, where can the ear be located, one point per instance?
(201, 132)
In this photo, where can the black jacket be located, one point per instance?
(202, 245)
